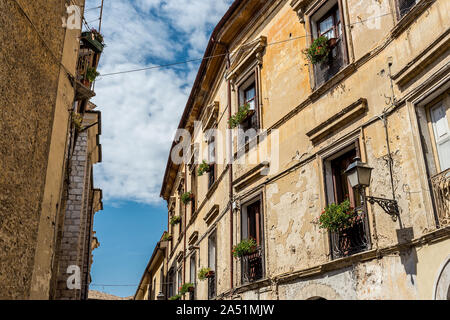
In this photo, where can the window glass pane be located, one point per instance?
(326, 24)
(250, 97)
(441, 135)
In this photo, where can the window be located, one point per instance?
(355, 239)
(212, 246)
(248, 95)
(193, 275)
(437, 153)
(194, 190)
(404, 6)
(327, 21)
(171, 283)
(182, 209)
(161, 279)
(330, 25)
(154, 290)
(212, 161)
(180, 279)
(251, 228)
(441, 133)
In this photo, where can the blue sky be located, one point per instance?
(140, 112)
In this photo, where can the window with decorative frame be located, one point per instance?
(212, 173)
(252, 265)
(328, 21)
(434, 126)
(212, 263)
(356, 238)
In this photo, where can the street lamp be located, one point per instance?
(358, 175)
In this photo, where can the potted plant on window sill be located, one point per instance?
(319, 50)
(332, 43)
(175, 297)
(244, 248)
(187, 287)
(205, 273)
(174, 220)
(203, 168)
(187, 197)
(167, 237)
(338, 218)
(243, 113)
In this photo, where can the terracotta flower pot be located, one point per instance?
(332, 42)
(210, 274)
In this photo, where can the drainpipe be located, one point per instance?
(230, 173)
(185, 224)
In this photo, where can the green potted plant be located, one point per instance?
(187, 197)
(243, 113)
(203, 167)
(245, 247)
(77, 121)
(175, 220)
(205, 273)
(187, 287)
(338, 217)
(319, 50)
(166, 237)
(175, 297)
(91, 74)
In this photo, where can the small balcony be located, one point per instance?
(252, 266)
(92, 40)
(352, 240)
(440, 184)
(324, 71)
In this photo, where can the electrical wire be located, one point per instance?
(246, 44)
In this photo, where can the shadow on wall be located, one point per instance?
(408, 257)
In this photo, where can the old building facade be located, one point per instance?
(46, 126)
(381, 94)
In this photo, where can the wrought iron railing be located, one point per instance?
(252, 266)
(85, 61)
(324, 71)
(441, 193)
(212, 287)
(352, 240)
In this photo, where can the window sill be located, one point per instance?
(410, 17)
(344, 73)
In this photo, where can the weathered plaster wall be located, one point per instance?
(296, 197)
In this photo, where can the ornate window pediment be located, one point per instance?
(210, 116)
(300, 6)
(247, 55)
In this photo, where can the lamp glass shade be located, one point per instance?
(359, 174)
(352, 177)
(364, 174)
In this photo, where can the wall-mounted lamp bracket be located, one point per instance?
(388, 205)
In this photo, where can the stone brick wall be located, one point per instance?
(72, 252)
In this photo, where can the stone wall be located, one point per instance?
(31, 92)
(72, 252)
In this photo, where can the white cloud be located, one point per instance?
(140, 111)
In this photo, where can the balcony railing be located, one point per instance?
(324, 71)
(353, 240)
(212, 287)
(85, 61)
(252, 266)
(441, 193)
